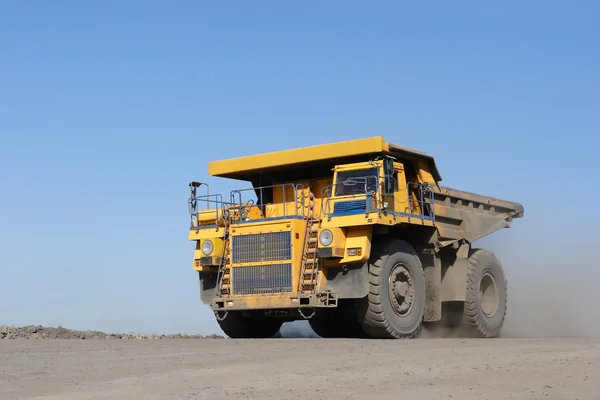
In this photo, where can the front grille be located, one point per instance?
(261, 247)
(262, 279)
(349, 207)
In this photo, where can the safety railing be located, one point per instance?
(292, 204)
(425, 201)
(368, 201)
(363, 184)
(207, 207)
(265, 202)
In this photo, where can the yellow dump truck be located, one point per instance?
(357, 237)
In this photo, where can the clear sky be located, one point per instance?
(108, 110)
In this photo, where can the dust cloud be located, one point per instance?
(552, 282)
(296, 329)
(553, 292)
(553, 295)
(557, 301)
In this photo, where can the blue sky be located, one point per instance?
(108, 110)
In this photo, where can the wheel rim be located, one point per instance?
(488, 294)
(401, 289)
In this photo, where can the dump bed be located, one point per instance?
(460, 214)
(313, 161)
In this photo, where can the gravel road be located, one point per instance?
(301, 368)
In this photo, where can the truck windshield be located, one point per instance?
(355, 182)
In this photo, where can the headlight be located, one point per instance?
(326, 237)
(207, 247)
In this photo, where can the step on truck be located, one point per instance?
(357, 237)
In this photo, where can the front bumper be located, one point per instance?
(274, 301)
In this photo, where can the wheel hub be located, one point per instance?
(488, 294)
(401, 289)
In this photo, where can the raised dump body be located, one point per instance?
(357, 237)
(464, 215)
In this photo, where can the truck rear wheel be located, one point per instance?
(395, 305)
(486, 297)
(236, 325)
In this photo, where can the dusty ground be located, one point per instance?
(300, 368)
(35, 332)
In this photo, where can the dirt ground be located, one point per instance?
(300, 368)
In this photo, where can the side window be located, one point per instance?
(396, 183)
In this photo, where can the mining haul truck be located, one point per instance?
(357, 237)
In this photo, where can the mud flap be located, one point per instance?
(350, 281)
(208, 285)
(432, 268)
(454, 279)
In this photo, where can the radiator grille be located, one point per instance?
(262, 279)
(261, 247)
(350, 207)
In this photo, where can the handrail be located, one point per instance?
(425, 198)
(219, 209)
(237, 199)
(194, 200)
(326, 194)
(237, 210)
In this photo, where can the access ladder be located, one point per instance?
(310, 265)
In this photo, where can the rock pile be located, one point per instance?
(41, 332)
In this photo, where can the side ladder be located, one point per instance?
(224, 271)
(310, 267)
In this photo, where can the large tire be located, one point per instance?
(339, 322)
(484, 313)
(255, 326)
(395, 305)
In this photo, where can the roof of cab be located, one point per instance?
(325, 155)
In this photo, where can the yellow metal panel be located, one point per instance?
(373, 218)
(265, 301)
(306, 154)
(339, 237)
(262, 301)
(322, 278)
(285, 194)
(288, 202)
(423, 173)
(261, 226)
(208, 217)
(205, 233)
(358, 166)
(401, 203)
(358, 237)
(317, 185)
(278, 210)
(350, 220)
(264, 227)
(217, 248)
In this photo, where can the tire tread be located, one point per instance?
(375, 322)
(470, 315)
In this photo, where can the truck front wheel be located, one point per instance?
(395, 305)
